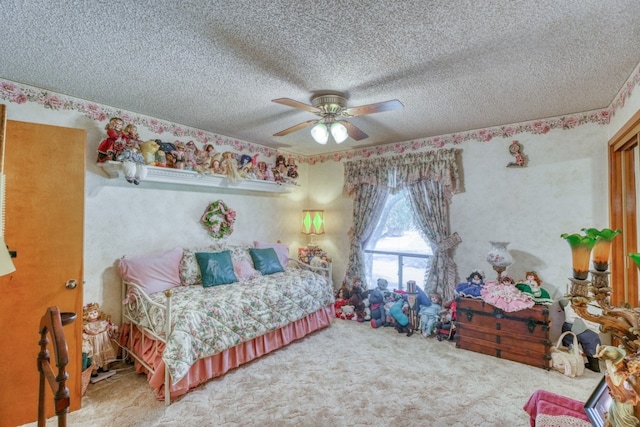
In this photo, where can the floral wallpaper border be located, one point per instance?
(20, 94)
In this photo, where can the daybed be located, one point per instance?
(187, 319)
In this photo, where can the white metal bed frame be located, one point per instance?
(160, 334)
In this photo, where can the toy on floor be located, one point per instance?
(400, 320)
(97, 332)
(446, 326)
(430, 314)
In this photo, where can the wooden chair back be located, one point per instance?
(51, 324)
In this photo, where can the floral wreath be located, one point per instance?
(218, 219)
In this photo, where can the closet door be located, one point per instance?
(623, 211)
(44, 222)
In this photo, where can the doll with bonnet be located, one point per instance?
(97, 331)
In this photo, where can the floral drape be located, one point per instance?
(397, 171)
(430, 206)
(368, 202)
(431, 178)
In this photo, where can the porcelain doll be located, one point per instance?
(108, 148)
(229, 166)
(292, 168)
(472, 287)
(429, 315)
(134, 165)
(531, 286)
(97, 332)
(179, 155)
(504, 295)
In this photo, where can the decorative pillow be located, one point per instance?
(189, 268)
(216, 268)
(153, 272)
(281, 249)
(239, 253)
(244, 269)
(266, 260)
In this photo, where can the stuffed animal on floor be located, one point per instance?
(348, 312)
(356, 299)
(376, 305)
(401, 320)
(366, 313)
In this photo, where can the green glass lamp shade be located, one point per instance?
(635, 257)
(602, 248)
(581, 247)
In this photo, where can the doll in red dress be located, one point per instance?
(113, 143)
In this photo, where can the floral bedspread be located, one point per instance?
(206, 321)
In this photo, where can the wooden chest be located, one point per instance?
(521, 336)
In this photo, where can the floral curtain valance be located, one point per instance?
(397, 171)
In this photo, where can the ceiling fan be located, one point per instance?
(329, 107)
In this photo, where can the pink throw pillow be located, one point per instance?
(282, 251)
(153, 272)
(244, 270)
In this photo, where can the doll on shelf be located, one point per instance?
(531, 286)
(472, 287)
(109, 148)
(229, 166)
(134, 164)
(97, 332)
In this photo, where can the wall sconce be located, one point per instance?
(312, 224)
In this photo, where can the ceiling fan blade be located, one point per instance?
(296, 127)
(354, 132)
(378, 107)
(295, 104)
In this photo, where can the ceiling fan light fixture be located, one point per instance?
(320, 133)
(339, 132)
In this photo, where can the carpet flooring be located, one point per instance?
(346, 375)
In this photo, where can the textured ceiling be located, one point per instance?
(216, 65)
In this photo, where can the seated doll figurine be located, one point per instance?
(505, 295)
(531, 286)
(472, 287)
(97, 332)
(429, 315)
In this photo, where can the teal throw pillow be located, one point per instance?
(266, 260)
(216, 268)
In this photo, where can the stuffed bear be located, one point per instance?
(348, 312)
(376, 305)
(356, 299)
(149, 150)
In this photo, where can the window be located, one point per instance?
(396, 250)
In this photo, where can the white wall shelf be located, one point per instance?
(194, 179)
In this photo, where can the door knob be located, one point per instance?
(71, 284)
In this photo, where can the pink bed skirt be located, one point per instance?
(217, 365)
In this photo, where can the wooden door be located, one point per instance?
(623, 212)
(44, 222)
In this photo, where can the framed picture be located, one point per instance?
(597, 406)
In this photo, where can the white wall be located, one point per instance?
(563, 189)
(123, 219)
